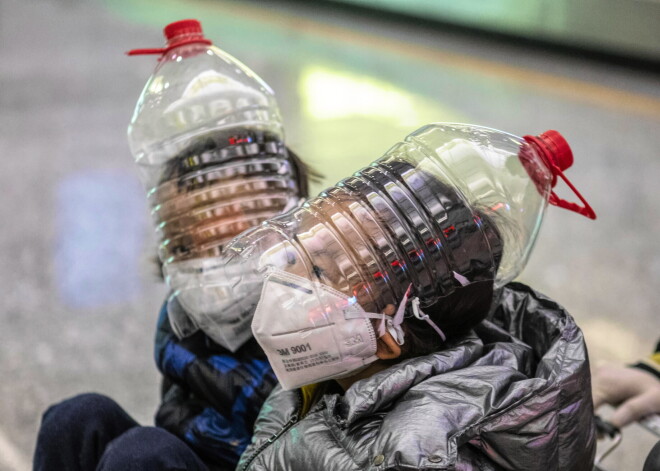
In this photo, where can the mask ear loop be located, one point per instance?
(386, 324)
(419, 314)
(393, 324)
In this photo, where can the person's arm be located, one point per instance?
(634, 391)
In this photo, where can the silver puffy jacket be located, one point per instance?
(514, 395)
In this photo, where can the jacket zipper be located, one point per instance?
(294, 418)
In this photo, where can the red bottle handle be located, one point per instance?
(556, 153)
(585, 209)
(136, 52)
(177, 34)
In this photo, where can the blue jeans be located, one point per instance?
(92, 432)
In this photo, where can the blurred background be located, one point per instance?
(79, 294)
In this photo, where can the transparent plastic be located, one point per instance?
(209, 142)
(196, 90)
(451, 205)
(208, 139)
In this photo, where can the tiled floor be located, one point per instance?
(79, 293)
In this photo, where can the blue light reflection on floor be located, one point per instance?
(100, 237)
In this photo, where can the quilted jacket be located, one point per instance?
(515, 394)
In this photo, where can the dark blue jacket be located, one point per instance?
(210, 396)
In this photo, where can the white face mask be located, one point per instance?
(217, 298)
(311, 332)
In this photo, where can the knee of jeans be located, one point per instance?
(79, 410)
(146, 448)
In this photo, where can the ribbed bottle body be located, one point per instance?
(450, 205)
(208, 139)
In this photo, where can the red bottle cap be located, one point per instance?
(557, 156)
(558, 149)
(177, 34)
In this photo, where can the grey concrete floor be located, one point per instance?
(79, 293)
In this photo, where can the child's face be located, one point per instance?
(198, 214)
(317, 254)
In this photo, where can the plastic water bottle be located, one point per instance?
(451, 205)
(208, 138)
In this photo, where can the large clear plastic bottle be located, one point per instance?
(208, 138)
(451, 205)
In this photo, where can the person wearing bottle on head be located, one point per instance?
(231, 171)
(438, 390)
(211, 395)
(209, 140)
(398, 349)
(212, 390)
